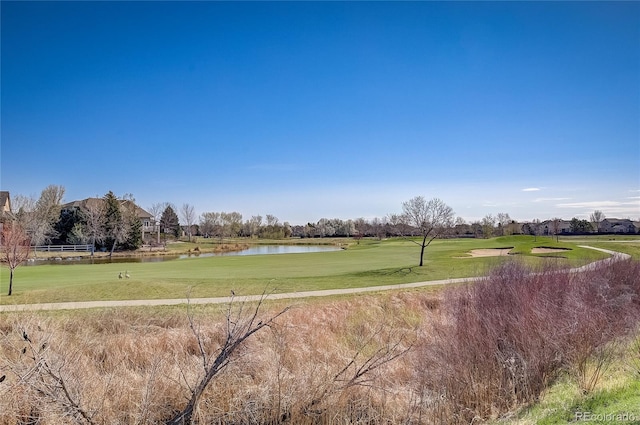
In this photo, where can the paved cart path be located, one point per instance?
(615, 256)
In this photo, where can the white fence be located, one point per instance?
(63, 248)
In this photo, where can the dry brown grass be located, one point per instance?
(475, 352)
(129, 366)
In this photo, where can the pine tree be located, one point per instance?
(134, 237)
(114, 228)
(169, 222)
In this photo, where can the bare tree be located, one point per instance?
(14, 248)
(535, 228)
(47, 213)
(397, 224)
(208, 222)
(555, 226)
(596, 218)
(503, 220)
(432, 218)
(38, 218)
(488, 225)
(272, 220)
(93, 217)
(240, 326)
(156, 211)
(253, 225)
(22, 203)
(211, 224)
(231, 223)
(188, 214)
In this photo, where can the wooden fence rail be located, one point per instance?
(63, 248)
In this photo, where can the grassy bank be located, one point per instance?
(369, 263)
(616, 399)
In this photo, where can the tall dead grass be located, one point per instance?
(467, 354)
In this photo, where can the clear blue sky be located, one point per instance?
(307, 110)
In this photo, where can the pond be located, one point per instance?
(254, 250)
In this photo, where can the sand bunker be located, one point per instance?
(543, 250)
(493, 252)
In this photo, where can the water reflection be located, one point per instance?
(254, 250)
(267, 250)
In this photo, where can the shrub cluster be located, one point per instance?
(499, 343)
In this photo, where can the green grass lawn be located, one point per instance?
(615, 399)
(369, 263)
(629, 244)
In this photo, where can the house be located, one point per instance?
(615, 225)
(149, 225)
(5, 202)
(5, 208)
(554, 227)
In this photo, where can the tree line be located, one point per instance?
(113, 223)
(108, 223)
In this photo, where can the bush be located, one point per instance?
(500, 342)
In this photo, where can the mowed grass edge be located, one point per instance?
(370, 263)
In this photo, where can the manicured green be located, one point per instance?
(629, 244)
(369, 263)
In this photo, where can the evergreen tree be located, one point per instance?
(169, 222)
(65, 225)
(134, 237)
(114, 227)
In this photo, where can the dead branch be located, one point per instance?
(240, 327)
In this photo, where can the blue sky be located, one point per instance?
(307, 110)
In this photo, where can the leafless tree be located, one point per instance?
(488, 225)
(22, 202)
(38, 218)
(231, 223)
(503, 220)
(240, 326)
(211, 224)
(253, 225)
(555, 226)
(14, 248)
(535, 228)
(397, 224)
(272, 220)
(93, 216)
(156, 211)
(596, 218)
(188, 214)
(432, 218)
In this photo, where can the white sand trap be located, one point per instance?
(492, 252)
(548, 250)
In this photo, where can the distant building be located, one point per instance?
(5, 202)
(5, 208)
(615, 225)
(551, 227)
(148, 222)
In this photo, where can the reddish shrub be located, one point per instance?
(501, 341)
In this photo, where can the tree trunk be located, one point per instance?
(424, 244)
(113, 247)
(10, 282)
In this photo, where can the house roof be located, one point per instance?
(97, 202)
(617, 221)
